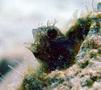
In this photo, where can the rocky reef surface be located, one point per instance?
(84, 73)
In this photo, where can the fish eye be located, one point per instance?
(52, 33)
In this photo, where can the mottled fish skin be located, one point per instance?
(58, 51)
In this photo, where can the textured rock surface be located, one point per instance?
(86, 73)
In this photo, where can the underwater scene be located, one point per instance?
(50, 45)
